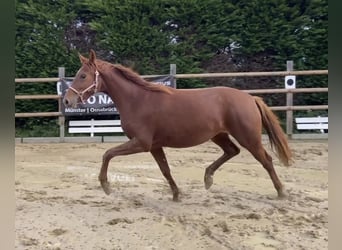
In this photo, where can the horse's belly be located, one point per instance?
(186, 137)
(172, 143)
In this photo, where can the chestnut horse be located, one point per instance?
(155, 116)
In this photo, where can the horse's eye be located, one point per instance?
(83, 76)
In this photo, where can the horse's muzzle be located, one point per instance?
(70, 100)
(66, 102)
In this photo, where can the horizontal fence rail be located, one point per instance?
(42, 80)
(249, 74)
(200, 75)
(39, 114)
(275, 91)
(31, 97)
(304, 107)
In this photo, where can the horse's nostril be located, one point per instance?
(66, 102)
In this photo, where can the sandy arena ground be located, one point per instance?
(60, 204)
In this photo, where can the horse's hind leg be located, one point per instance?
(160, 158)
(265, 159)
(229, 149)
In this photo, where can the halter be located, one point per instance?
(94, 85)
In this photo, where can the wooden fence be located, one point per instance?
(289, 108)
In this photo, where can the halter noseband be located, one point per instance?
(94, 85)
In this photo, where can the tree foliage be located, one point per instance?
(198, 36)
(39, 51)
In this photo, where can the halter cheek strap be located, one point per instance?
(94, 85)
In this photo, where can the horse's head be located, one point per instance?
(85, 84)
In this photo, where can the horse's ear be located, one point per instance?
(82, 58)
(92, 57)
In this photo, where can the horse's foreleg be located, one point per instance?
(160, 158)
(131, 147)
(230, 150)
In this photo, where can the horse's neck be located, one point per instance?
(125, 95)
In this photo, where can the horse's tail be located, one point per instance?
(275, 133)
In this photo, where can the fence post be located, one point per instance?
(289, 103)
(173, 70)
(61, 118)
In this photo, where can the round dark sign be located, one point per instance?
(290, 82)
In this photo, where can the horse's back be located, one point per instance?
(225, 101)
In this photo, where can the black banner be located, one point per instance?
(100, 103)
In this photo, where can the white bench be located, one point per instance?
(312, 123)
(95, 126)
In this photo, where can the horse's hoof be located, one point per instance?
(175, 199)
(175, 196)
(208, 181)
(106, 187)
(282, 196)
